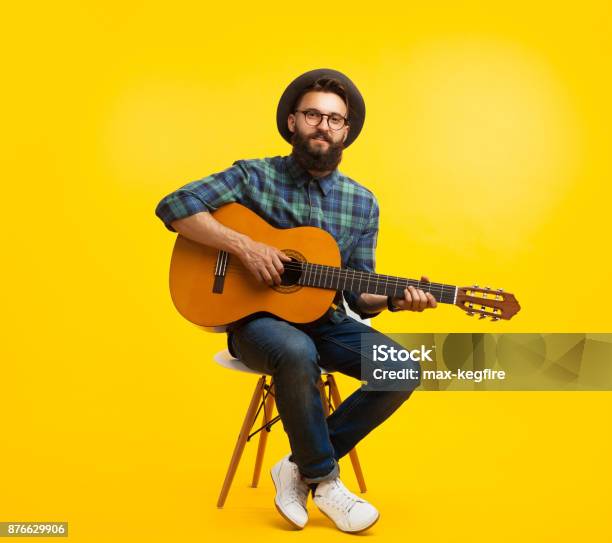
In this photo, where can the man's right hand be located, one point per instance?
(263, 261)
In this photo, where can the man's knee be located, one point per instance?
(299, 355)
(283, 345)
(398, 397)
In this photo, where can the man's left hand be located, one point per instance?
(415, 299)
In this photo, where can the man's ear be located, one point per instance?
(346, 134)
(291, 122)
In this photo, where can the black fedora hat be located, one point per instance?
(356, 113)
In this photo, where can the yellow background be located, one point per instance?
(487, 141)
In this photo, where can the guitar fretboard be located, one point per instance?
(332, 278)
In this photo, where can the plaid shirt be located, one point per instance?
(280, 191)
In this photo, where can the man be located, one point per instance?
(320, 113)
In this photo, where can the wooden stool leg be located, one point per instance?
(335, 394)
(263, 434)
(321, 386)
(242, 439)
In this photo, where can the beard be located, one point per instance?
(317, 158)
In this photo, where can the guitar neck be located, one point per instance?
(332, 278)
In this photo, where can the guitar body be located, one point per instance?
(238, 294)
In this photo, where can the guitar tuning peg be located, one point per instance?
(474, 286)
(500, 290)
(493, 319)
(470, 314)
(487, 288)
(482, 316)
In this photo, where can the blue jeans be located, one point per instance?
(293, 355)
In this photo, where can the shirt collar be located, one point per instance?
(301, 176)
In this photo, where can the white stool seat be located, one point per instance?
(225, 359)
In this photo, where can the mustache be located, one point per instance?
(322, 135)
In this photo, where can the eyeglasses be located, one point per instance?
(314, 117)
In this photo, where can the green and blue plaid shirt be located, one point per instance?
(281, 192)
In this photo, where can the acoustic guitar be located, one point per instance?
(212, 289)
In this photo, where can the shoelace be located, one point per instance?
(344, 499)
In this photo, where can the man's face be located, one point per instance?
(318, 148)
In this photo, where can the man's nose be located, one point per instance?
(324, 119)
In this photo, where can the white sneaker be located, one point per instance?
(291, 492)
(349, 513)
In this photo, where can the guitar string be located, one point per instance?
(324, 270)
(361, 276)
(334, 273)
(239, 270)
(441, 293)
(319, 268)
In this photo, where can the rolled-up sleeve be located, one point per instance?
(207, 194)
(363, 258)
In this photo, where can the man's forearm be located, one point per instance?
(371, 303)
(204, 228)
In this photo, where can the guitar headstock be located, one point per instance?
(487, 302)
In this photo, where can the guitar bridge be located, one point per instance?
(220, 271)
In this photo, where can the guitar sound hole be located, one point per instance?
(292, 272)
